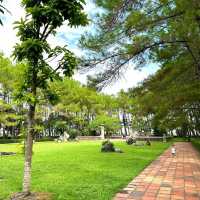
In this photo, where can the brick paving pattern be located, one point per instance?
(168, 177)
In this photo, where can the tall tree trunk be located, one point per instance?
(29, 150)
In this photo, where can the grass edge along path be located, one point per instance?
(196, 143)
(77, 171)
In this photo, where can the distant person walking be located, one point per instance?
(173, 150)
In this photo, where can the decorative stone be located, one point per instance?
(118, 150)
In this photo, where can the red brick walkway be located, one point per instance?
(168, 177)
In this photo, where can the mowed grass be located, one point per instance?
(76, 171)
(196, 143)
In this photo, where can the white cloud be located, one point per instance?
(7, 32)
(131, 78)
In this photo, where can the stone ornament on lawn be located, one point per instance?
(130, 140)
(63, 138)
(108, 146)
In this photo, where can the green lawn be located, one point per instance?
(196, 143)
(76, 171)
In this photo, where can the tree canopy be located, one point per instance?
(139, 32)
(169, 99)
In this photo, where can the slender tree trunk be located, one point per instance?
(30, 135)
(125, 123)
(4, 132)
(29, 150)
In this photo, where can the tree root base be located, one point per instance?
(31, 196)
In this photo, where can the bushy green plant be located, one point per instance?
(73, 133)
(130, 140)
(148, 142)
(107, 146)
(6, 141)
(111, 124)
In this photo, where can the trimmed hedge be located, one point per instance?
(45, 139)
(19, 140)
(5, 140)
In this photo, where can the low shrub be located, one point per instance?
(148, 142)
(73, 133)
(44, 139)
(130, 140)
(107, 146)
(6, 141)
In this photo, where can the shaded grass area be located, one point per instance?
(76, 171)
(196, 143)
(179, 139)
